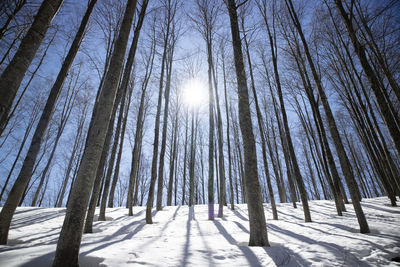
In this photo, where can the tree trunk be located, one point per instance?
(71, 234)
(12, 76)
(26, 171)
(260, 128)
(160, 186)
(344, 161)
(258, 227)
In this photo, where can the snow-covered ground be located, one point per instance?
(184, 237)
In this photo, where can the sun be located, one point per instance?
(194, 93)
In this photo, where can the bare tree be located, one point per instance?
(26, 171)
(70, 237)
(258, 228)
(13, 74)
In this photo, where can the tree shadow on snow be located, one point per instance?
(187, 242)
(111, 238)
(338, 251)
(240, 215)
(47, 260)
(280, 255)
(390, 209)
(34, 219)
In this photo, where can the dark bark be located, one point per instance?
(258, 228)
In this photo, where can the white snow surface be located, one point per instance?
(180, 236)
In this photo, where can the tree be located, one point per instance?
(13, 74)
(344, 161)
(133, 178)
(390, 116)
(258, 228)
(260, 122)
(170, 13)
(71, 234)
(171, 39)
(26, 171)
(123, 89)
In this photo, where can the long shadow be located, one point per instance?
(290, 215)
(43, 260)
(280, 255)
(283, 256)
(120, 231)
(166, 225)
(187, 244)
(362, 240)
(240, 216)
(346, 228)
(335, 249)
(176, 212)
(381, 208)
(47, 260)
(244, 229)
(35, 219)
(247, 252)
(127, 237)
(208, 250)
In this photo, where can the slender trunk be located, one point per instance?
(150, 198)
(227, 134)
(185, 160)
(71, 159)
(32, 120)
(260, 128)
(10, 17)
(192, 162)
(172, 159)
(295, 166)
(160, 186)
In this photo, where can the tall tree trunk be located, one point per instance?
(124, 85)
(172, 159)
(150, 198)
(185, 159)
(192, 162)
(119, 155)
(227, 131)
(160, 186)
(111, 160)
(32, 120)
(260, 127)
(258, 227)
(72, 157)
(71, 234)
(296, 169)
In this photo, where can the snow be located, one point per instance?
(182, 236)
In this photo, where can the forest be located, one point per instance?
(219, 112)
